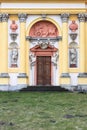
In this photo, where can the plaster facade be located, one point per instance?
(66, 47)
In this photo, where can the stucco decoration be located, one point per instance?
(43, 29)
(73, 36)
(13, 26)
(43, 44)
(55, 58)
(73, 44)
(73, 26)
(32, 59)
(14, 57)
(73, 57)
(13, 48)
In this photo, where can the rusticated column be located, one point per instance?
(22, 71)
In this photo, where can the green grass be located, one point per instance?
(43, 111)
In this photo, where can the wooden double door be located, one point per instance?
(44, 70)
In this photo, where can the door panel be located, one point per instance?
(44, 70)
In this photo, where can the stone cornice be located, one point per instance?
(43, 1)
(42, 11)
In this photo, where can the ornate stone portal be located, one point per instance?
(45, 35)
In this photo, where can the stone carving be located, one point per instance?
(32, 58)
(73, 36)
(43, 29)
(73, 44)
(0, 17)
(22, 17)
(65, 17)
(14, 57)
(13, 36)
(5, 17)
(43, 44)
(73, 26)
(54, 58)
(13, 26)
(81, 17)
(86, 17)
(73, 57)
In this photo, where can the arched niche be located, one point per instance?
(43, 29)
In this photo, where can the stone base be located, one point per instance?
(4, 87)
(65, 81)
(22, 79)
(82, 78)
(82, 81)
(4, 79)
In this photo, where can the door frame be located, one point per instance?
(49, 51)
(50, 72)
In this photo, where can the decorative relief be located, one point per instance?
(5, 17)
(22, 17)
(13, 26)
(81, 17)
(73, 36)
(73, 45)
(32, 59)
(65, 17)
(73, 57)
(55, 58)
(43, 44)
(13, 54)
(73, 26)
(14, 57)
(43, 29)
(13, 47)
(0, 17)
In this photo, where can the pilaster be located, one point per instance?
(65, 78)
(82, 77)
(0, 40)
(4, 77)
(86, 40)
(22, 78)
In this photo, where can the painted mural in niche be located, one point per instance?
(73, 26)
(13, 26)
(43, 29)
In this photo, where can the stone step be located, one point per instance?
(44, 88)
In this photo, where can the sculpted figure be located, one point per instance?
(14, 57)
(73, 57)
(32, 58)
(13, 26)
(54, 58)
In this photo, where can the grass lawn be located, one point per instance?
(43, 111)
